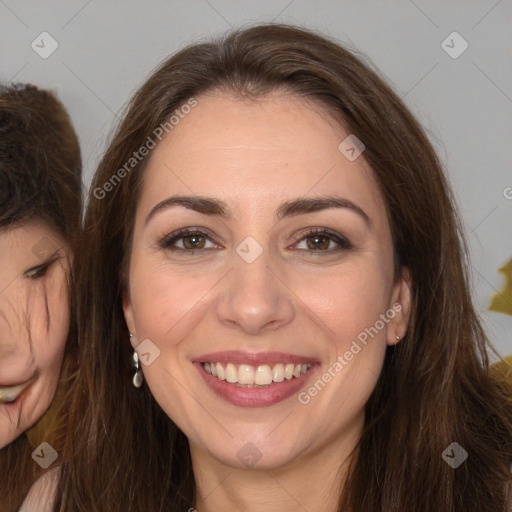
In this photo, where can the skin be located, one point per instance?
(254, 156)
(34, 321)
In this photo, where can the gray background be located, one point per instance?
(107, 48)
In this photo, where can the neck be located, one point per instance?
(313, 481)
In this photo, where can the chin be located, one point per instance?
(246, 452)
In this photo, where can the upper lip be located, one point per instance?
(240, 357)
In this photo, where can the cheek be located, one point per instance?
(51, 325)
(165, 302)
(48, 315)
(347, 300)
(352, 303)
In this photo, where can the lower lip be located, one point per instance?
(255, 397)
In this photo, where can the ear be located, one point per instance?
(129, 317)
(401, 301)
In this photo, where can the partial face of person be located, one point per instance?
(34, 323)
(261, 282)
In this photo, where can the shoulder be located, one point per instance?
(41, 496)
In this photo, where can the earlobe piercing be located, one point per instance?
(398, 338)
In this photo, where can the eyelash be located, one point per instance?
(37, 272)
(168, 241)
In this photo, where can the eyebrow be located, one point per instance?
(216, 207)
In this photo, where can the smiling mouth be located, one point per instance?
(255, 376)
(9, 394)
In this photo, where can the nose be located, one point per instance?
(253, 299)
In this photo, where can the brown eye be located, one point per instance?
(320, 239)
(318, 242)
(187, 240)
(194, 242)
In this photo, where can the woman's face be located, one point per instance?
(253, 290)
(34, 323)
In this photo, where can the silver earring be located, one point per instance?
(398, 338)
(138, 377)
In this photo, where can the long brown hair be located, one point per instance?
(124, 453)
(40, 179)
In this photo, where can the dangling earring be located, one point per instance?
(138, 377)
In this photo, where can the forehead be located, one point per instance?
(27, 241)
(247, 151)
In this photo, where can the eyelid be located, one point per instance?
(38, 271)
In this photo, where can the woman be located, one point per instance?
(40, 198)
(271, 240)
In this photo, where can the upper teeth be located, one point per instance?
(261, 375)
(11, 393)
